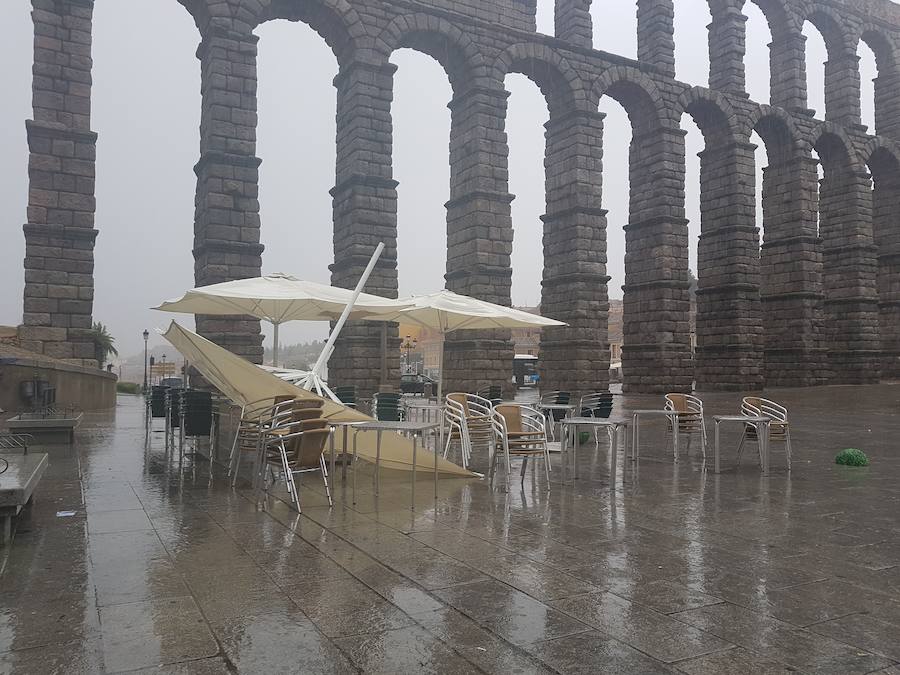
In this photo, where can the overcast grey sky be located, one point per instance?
(147, 108)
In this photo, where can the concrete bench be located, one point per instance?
(17, 485)
(46, 428)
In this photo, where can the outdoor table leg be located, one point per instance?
(415, 448)
(675, 442)
(355, 465)
(436, 462)
(635, 439)
(344, 462)
(331, 444)
(377, 460)
(575, 447)
(762, 436)
(717, 447)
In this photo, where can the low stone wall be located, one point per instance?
(84, 388)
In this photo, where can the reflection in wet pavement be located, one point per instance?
(667, 568)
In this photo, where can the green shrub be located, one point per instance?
(128, 387)
(852, 457)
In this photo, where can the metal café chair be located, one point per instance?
(555, 405)
(387, 407)
(598, 405)
(297, 447)
(346, 395)
(689, 419)
(468, 420)
(779, 427)
(493, 393)
(256, 417)
(519, 431)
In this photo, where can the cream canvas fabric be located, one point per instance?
(245, 383)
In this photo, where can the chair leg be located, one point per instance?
(787, 446)
(741, 446)
(703, 440)
(324, 467)
(547, 465)
(524, 467)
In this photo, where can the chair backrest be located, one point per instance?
(556, 398)
(305, 449)
(512, 416)
(461, 400)
(754, 406)
(492, 392)
(387, 407)
(684, 403)
(598, 404)
(346, 395)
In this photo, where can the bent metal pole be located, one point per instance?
(316, 375)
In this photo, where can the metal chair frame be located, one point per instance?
(597, 404)
(530, 441)
(468, 418)
(554, 416)
(256, 418)
(779, 427)
(690, 420)
(278, 454)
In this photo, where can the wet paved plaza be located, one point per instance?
(672, 569)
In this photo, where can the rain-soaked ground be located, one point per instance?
(675, 569)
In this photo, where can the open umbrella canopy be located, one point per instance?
(278, 298)
(446, 311)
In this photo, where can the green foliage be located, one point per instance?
(128, 387)
(852, 457)
(104, 343)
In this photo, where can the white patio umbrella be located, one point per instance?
(278, 298)
(446, 312)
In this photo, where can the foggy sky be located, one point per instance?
(146, 109)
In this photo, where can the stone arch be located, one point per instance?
(777, 129)
(635, 92)
(839, 39)
(558, 81)
(712, 112)
(336, 21)
(832, 143)
(782, 20)
(198, 11)
(442, 40)
(887, 96)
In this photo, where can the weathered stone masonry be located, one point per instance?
(819, 302)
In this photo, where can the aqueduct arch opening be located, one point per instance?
(764, 318)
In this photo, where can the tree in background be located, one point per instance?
(104, 343)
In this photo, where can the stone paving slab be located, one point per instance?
(677, 570)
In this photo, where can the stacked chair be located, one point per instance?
(493, 393)
(346, 395)
(469, 420)
(598, 405)
(554, 416)
(387, 407)
(519, 431)
(690, 419)
(294, 443)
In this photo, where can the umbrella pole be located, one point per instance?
(275, 345)
(329, 347)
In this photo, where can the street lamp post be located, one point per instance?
(146, 337)
(409, 345)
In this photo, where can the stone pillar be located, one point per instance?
(791, 266)
(575, 358)
(729, 320)
(573, 22)
(887, 102)
(842, 89)
(787, 65)
(60, 234)
(365, 214)
(727, 47)
(886, 229)
(479, 234)
(850, 268)
(656, 357)
(226, 221)
(656, 34)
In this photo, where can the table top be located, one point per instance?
(557, 406)
(20, 478)
(423, 405)
(396, 426)
(740, 418)
(655, 411)
(596, 421)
